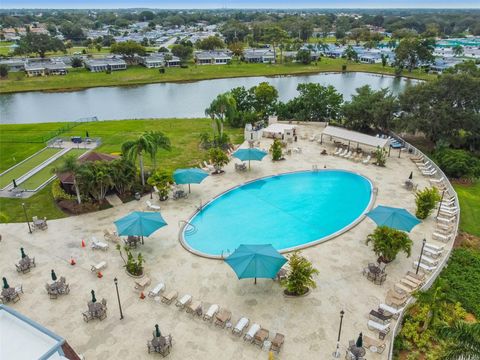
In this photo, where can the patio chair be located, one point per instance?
(168, 298)
(53, 293)
(380, 316)
(424, 267)
(374, 345)
(429, 261)
(100, 266)
(395, 299)
(373, 325)
(348, 155)
(140, 284)
(399, 287)
(111, 236)
(343, 153)
(184, 301)
(152, 207)
(87, 316)
(222, 317)
(440, 236)
(195, 308)
(414, 280)
(437, 181)
(391, 310)
(261, 336)
(241, 325)
(251, 332)
(429, 173)
(446, 219)
(434, 247)
(211, 312)
(156, 290)
(98, 245)
(409, 283)
(277, 342)
(337, 150)
(208, 166)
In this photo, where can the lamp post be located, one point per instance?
(336, 354)
(440, 203)
(421, 253)
(26, 218)
(118, 297)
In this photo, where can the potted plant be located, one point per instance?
(276, 150)
(163, 182)
(299, 278)
(380, 156)
(426, 200)
(388, 242)
(218, 158)
(133, 267)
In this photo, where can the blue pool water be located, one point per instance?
(287, 211)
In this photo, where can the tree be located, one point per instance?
(128, 49)
(276, 150)
(182, 51)
(264, 98)
(234, 30)
(384, 60)
(412, 52)
(458, 50)
(210, 43)
(96, 178)
(304, 56)
(38, 44)
(133, 149)
(236, 48)
(370, 109)
(160, 141)
(275, 35)
(463, 339)
(221, 108)
(457, 163)
(3, 70)
(218, 158)
(426, 200)
(388, 242)
(163, 182)
(77, 62)
(123, 174)
(300, 275)
(350, 53)
(70, 165)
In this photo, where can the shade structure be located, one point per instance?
(139, 223)
(256, 261)
(249, 154)
(396, 218)
(189, 176)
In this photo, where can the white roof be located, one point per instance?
(278, 128)
(22, 339)
(354, 136)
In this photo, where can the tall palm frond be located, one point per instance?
(465, 341)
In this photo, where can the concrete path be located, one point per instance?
(114, 200)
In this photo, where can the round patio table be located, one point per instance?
(357, 352)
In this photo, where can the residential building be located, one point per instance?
(158, 60)
(259, 56)
(43, 68)
(14, 65)
(212, 57)
(99, 65)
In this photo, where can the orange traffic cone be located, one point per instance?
(83, 243)
(142, 295)
(72, 261)
(99, 275)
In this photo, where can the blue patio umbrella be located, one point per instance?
(256, 261)
(396, 218)
(249, 154)
(139, 223)
(189, 176)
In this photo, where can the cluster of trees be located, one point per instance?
(39, 44)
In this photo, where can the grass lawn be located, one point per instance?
(184, 135)
(28, 165)
(81, 78)
(469, 196)
(46, 173)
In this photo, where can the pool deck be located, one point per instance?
(310, 324)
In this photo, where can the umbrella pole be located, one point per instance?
(255, 281)
(248, 164)
(189, 188)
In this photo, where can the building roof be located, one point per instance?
(67, 177)
(277, 128)
(212, 55)
(354, 136)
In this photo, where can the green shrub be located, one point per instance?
(218, 158)
(300, 275)
(426, 200)
(58, 193)
(388, 242)
(458, 163)
(162, 181)
(132, 265)
(380, 156)
(276, 149)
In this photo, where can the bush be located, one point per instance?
(276, 149)
(380, 156)
(300, 275)
(59, 194)
(162, 181)
(388, 242)
(458, 163)
(133, 266)
(3, 70)
(218, 158)
(344, 67)
(426, 200)
(77, 62)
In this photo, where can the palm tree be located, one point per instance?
(465, 341)
(160, 141)
(134, 149)
(97, 177)
(123, 173)
(222, 107)
(70, 165)
(435, 298)
(388, 242)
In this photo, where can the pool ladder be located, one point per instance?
(190, 229)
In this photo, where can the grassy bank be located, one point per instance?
(469, 196)
(134, 75)
(184, 135)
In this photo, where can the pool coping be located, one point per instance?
(361, 217)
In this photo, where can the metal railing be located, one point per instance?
(412, 150)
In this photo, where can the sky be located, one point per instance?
(237, 4)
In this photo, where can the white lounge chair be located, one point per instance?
(429, 261)
(156, 290)
(184, 301)
(391, 310)
(373, 325)
(98, 244)
(429, 173)
(151, 206)
(251, 332)
(241, 325)
(432, 252)
(208, 166)
(367, 159)
(343, 153)
(443, 237)
(435, 247)
(446, 220)
(337, 151)
(437, 181)
(424, 266)
(349, 155)
(212, 310)
(313, 137)
(100, 266)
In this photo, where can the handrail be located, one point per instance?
(186, 223)
(413, 150)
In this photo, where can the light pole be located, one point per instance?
(336, 354)
(421, 253)
(26, 218)
(440, 203)
(118, 297)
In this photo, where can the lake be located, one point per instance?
(167, 100)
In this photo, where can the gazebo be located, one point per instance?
(353, 137)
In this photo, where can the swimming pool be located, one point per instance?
(289, 211)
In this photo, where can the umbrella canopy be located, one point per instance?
(396, 218)
(139, 223)
(5, 283)
(54, 276)
(249, 154)
(256, 261)
(359, 342)
(189, 176)
(94, 300)
(157, 331)
(23, 253)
